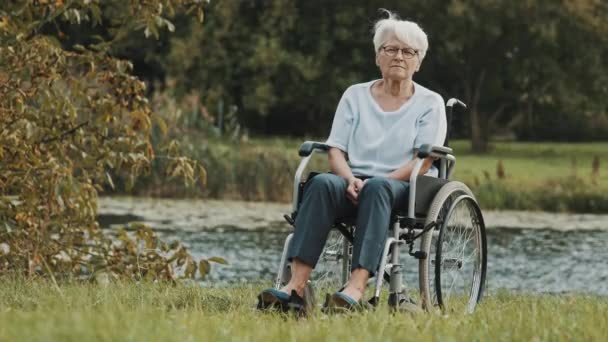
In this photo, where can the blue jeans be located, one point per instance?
(325, 200)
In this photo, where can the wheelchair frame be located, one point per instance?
(405, 229)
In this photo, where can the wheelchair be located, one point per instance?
(442, 218)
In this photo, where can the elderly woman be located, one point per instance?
(377, 130)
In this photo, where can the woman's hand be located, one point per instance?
(339, 166)
(354, 187)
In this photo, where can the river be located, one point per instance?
(527, 251)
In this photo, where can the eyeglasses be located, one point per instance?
(392, 51)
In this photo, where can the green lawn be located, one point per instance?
(533, 163)
(529, 163)
(38, 311)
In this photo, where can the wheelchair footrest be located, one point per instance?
(374, 301)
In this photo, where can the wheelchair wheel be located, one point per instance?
(452, 277)
(331, 272)
(334, 263)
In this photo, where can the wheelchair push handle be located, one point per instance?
(453, 101)
(450, 108)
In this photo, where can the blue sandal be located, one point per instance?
(272, 298)
(340, 302)
(345, 300)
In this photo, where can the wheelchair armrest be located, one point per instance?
(306, 152)
(428, 150)
(308, 146)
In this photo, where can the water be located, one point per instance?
(537, 252)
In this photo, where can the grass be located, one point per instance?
(532, 163)
(524, 163)
(531, 176)
(38, 311)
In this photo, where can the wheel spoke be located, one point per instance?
(327, 274)
(453, 273)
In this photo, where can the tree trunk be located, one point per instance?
(479, 136)
(478, 122)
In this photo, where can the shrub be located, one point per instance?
(68, 118)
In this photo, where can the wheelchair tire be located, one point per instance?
(455, 210)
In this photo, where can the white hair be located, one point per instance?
(407, 32)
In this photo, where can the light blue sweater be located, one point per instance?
(379, 142)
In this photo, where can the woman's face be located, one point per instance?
(396, 60)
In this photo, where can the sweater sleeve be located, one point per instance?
(432, 124)
(343, 122)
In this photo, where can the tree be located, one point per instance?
(68, 117)
(516, 62)
(285, 63)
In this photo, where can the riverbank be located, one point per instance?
(199, 215)
(38, 310)
(552, 177)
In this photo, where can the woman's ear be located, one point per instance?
(377, 60)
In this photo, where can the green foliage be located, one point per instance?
(68, 120)
(529, 68)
